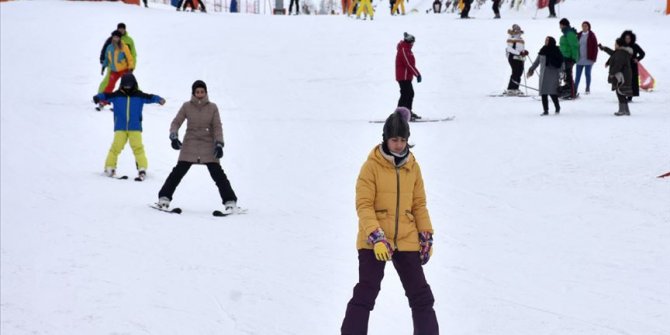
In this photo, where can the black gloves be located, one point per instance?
(218, 150)
(418, 78)
(176, 144)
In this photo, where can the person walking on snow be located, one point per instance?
(203, 144)
(393, 225)
(552, 9)
(630, 40)
(365, 6)
(398, 4)
(620, 73)
(588, 53)
(128, 103)
(496, 9)
(465, 12)
(405, 70)
(550, 61)
(125, 38)
(297, 7)
(569, 45)
(120, 61)
(516, 57)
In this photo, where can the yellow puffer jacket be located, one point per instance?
(392, 198)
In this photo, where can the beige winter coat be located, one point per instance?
(203, 130)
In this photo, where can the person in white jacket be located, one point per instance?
(516, 56)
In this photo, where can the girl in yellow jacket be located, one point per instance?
(394, 225)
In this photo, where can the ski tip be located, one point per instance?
(122, 177)
(219, 213)
(176, 210)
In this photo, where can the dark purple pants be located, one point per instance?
(370, 275)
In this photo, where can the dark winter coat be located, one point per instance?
(128, 108)
(591, 46)
(405, 64)
(620, 62)
(638, 54)
(104, 49)
(569, 44)
(203, 130)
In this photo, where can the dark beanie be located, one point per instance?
(196, 84)
(128, 80)
(117, 34)
(121, 26)
(397, 124)
(564, 22)
(409, 38)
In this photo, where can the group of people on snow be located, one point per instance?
(203, 141)
(556, 63)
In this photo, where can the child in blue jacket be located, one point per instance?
(128, 102)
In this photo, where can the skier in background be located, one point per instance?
(297, 7)
(638, 54)
(399, 4)
(393, 225)
(496, 9)
(405, 70)
(119, 60)
(128, 103)
(346, 5)
(192, 5)
(620, 73)
(516, 57)
(550, 61)
(365, 6)
(569, 45)
(125, 38)
(552, 9)
(203, 144)
(437, 6)
(465, 12)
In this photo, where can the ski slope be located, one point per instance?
(550, 225)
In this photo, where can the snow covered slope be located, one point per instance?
(543, 225)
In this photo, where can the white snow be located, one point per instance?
(551, 225)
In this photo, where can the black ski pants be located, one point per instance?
(545, 102)
(370, 275)
(406, 94)
(466, 9)
(215, 171)
(517, 72)
(297, 6)
(552, 9)
(496, 7)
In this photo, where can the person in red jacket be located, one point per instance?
(588, 53)
(405, 70)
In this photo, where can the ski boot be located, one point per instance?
(141, 175)
(230, 207)
(110, 172)
(163, 202)
(414, 117)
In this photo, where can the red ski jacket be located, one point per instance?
(405, 68)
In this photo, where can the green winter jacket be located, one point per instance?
(131, 45)
(569, 44)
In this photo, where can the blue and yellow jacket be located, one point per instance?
(128, 108)
(119, 59)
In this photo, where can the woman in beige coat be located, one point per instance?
(203, 144)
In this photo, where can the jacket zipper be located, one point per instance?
(397, 208)
(128, 113)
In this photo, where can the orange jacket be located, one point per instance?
(392, 198)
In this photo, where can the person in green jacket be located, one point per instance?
(569, 45)
(127, 40)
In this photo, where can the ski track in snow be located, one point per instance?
(549, 225)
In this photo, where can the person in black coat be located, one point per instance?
(638, 54)
(620, 73)
(465, 13)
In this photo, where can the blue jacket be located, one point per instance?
(128, 108)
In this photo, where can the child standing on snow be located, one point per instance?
(128, 102)
(550, 61)
(394, 225)
(516, 56)
(203, 144)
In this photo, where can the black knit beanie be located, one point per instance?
(196, 84)
(397, 125)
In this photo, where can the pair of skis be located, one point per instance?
(216, 213)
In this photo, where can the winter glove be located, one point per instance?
(380, 246)
(176, 144)
(96, 99)
(619, 78)
(218, 150)
(524, 53)
(426, 243)
(418, 78)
